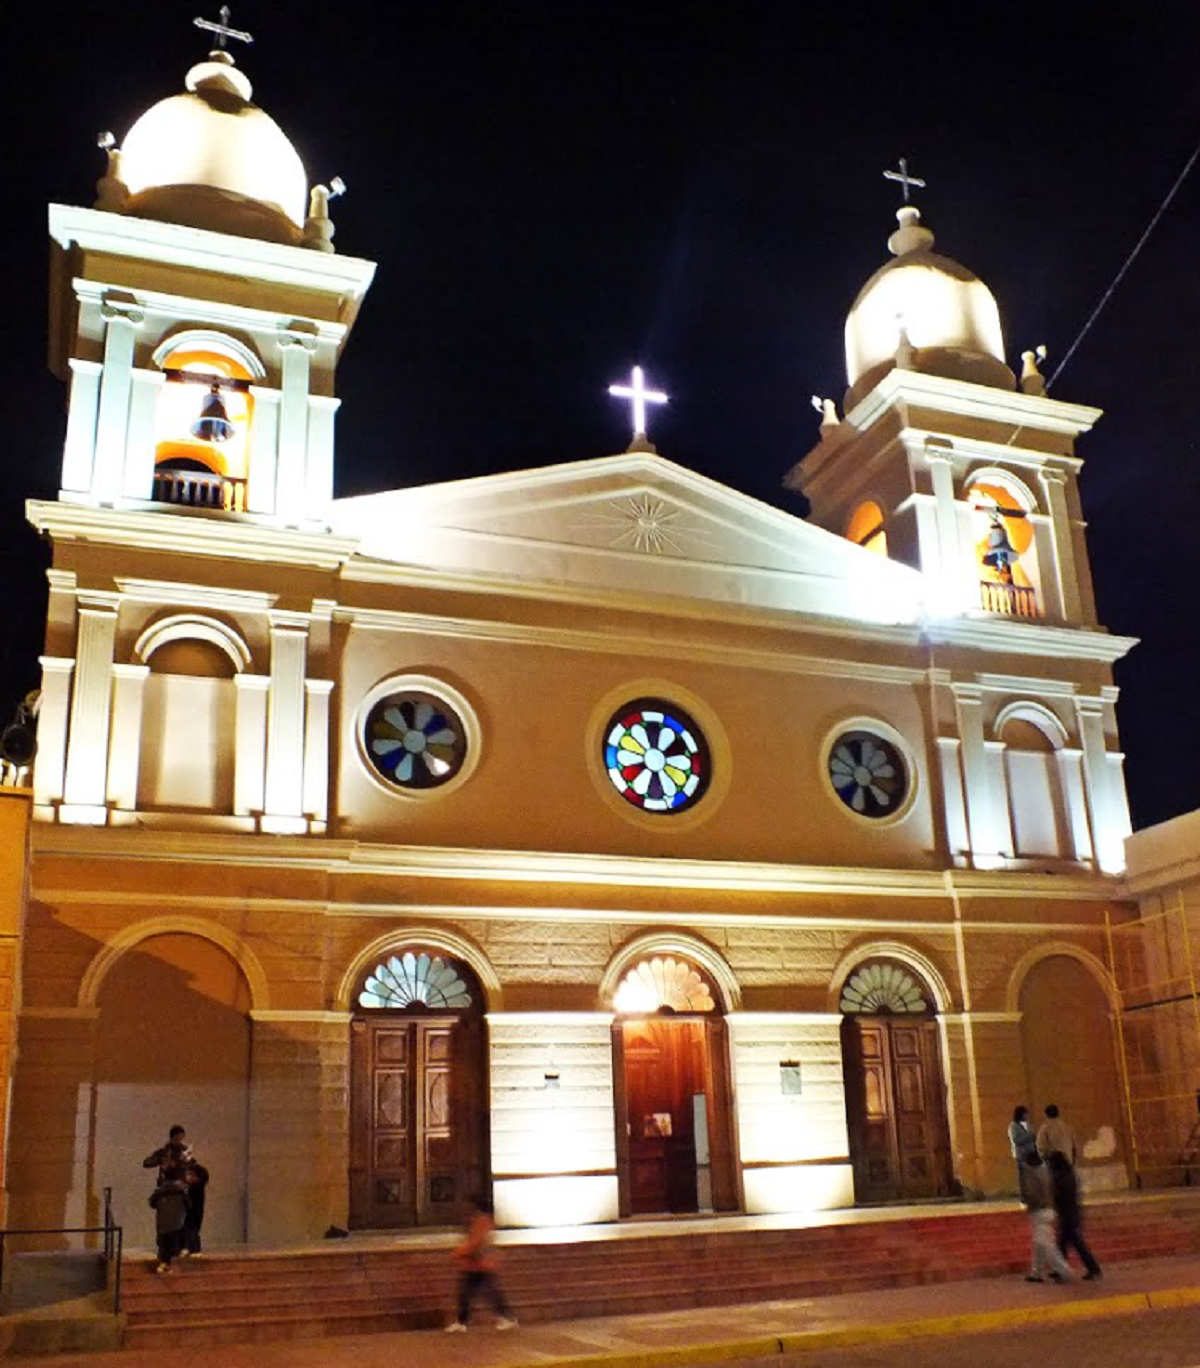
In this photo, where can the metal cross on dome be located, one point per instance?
(639, 396)
(222, 29)
(904, 178)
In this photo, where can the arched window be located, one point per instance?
(866, 528)
(1005, 547)
(885, 987)
(187, 755)
(663, 983)
(416, 979)
(1036, 796)
(202, 426)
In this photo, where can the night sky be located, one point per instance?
(555, 191)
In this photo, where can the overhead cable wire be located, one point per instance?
(1129, 260)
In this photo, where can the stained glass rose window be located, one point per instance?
(868, 774)
(656, 756)
(415, 740)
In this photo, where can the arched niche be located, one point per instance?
(1038, 776)
(1002, 510)
(867, 529)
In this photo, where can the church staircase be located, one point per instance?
(366, 1286)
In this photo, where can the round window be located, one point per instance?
(656, 756)
(868, 774)
(415, 740)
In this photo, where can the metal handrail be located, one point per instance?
(114, 1245)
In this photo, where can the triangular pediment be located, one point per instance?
(634, 523)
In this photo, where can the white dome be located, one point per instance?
(211, 159)
(949, 316)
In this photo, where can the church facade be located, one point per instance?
(594, 836)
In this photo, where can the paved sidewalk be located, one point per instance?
(709, 1334)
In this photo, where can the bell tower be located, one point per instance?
(198, 312)
(945, 461)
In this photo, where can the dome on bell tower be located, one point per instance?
(209, 158)
(926, 313)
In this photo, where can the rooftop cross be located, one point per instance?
(639, 396)
(904, 178)
(222, 29)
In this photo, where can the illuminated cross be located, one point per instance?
(904, 178)
(222, 29)
(639, 396)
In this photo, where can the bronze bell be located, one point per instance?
(213, 425)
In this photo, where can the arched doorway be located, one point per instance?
(173, 1048)
(673, 1112)
(1070, 1060)
(418, 1093)
(895, 1092)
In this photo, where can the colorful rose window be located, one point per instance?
(656, 756)
(868, 774)
(415, 740)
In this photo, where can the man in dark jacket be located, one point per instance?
(196, 1176)
(170, 1203)
(1065, 1187)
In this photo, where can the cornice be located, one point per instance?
(228, 538)
(349, 858)
(1035, 639)
(197, 248)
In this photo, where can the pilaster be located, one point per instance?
(297, 348)
(146, 387)
(318, 482)
(1066, 579)
(125, 744)
(50, 767)
(316, 750)
(264, 450)
(1107, 806)
(122, 320)
(981, 825)
(250, 758)
(284, 787)
(79, 451)
(86, 786)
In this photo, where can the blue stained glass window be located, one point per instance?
(415, 740)
(868, 774)
(656, 757)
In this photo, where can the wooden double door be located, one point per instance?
(896, 1108)
(674, 1129)
(418, 1119)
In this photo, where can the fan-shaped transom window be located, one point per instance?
(868, 774)
(416, 979)
(415, 740)
(656, 757)
(881, 987)
(663, 984)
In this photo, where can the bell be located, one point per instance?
(213, 425)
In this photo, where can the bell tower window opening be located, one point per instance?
(1002, 533)
(866, 528)
(202, 430)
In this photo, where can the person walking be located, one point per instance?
(1023, 1142)
(1046, 1260)
(1056, 1137)
(1069, 1210)
(476, 1261)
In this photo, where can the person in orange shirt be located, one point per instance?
(476, 1262)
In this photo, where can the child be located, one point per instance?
(196, 1177)
(477, 1270)
(1065, 1187)
(169, 1200)
(1046, 1259)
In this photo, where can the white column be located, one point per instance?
(1066, 578)
(125, 743)
(283, 808)
(318, 493)
(316, 749)
(138, 482)
(1107, 805)
(250, 758)
(1070, 770)
(86, 785)
(948, 592)
(957, 838)
(112, 430)
(53, 710)
(264, 450)
(297, 350)
(985, 848)
(79, 451)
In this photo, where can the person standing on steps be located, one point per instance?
(476, 1261)
(174, 1154)
(170, 1203)
(1023, 1142)
(1069, 1209)
(1046, 1261)
(196, 1177)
